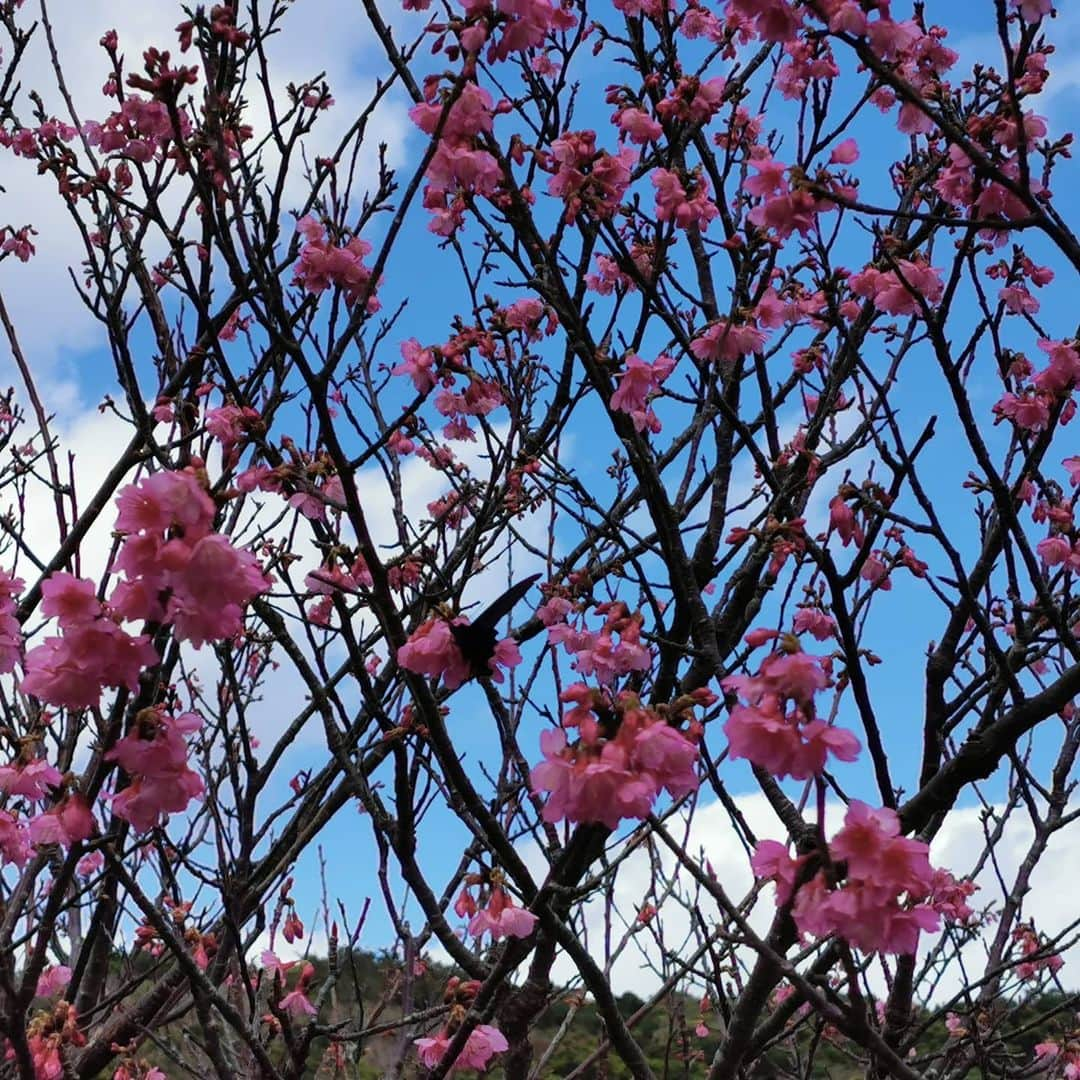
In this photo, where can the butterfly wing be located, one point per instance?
(477, 639)
(502, 607)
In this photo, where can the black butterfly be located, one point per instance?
(477, 639)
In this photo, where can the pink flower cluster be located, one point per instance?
(313, 501)
(27, 142)
(599, 653)
(1030, 407)
(725, 341)
(683, 199)
(777, 729)
(131, 1070)
(626, 754)
(884, 899)
(807, 61)
(331, 579)
(525, 23)
(1036, 955)
(52, 980)
(899, 291)
(1054, 1059)
(11, 641)
(793, 306)
(637, 125)
(296, 1001)
(230, 426)
(460, 164)
(93, 651)
(588, 180)
(49, 1032)
(323, 263)
(68, 822)
(500, 916)
(14, 839)
(418, 363)
(919, 58)
(29, 778)
(480, 397)
(639, 382)
(483, 1043)
(842, 518)
(1058, 550)
(177, 570)
(784, 209)
(693, 100)
(17, 242)
(155, 755)
(139, 129)
(772, 20)
(431, 650)
(608, 278)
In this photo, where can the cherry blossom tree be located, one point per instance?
(615, 545)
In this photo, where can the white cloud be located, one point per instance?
(317, 36)
(642, 877)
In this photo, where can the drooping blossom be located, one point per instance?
(31, 779)
(814, 621)
(625, 756)
(900, 291)
(92, 653)
(609, 653)
(483, 1043)
(296, 1001)
(177, 570)
(586, 179)
(15, 845)
(1037, 957)
(684, 201)
(155, 755)
(882, 903)
(431, 650)
(52, 980)
(11, 640)
(777, 729)
(639, 381)
(784, 209)
(323, 263)
(66, 823)
(501, 917)
(727, 342)
(418, 363)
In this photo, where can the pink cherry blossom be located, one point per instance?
(639, 381)
(15, 844)
(638, 126)
(53, 980)
(900, 291)
(431, 650)
(31, 779)
(814, 621)
(727, 342)
(777, 729)
(66, 823)
(502, 918)
(483, 1043)
(156, 757)
(683, 201)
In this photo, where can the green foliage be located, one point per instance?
(368, 993)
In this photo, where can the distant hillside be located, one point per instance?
(369, 991)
